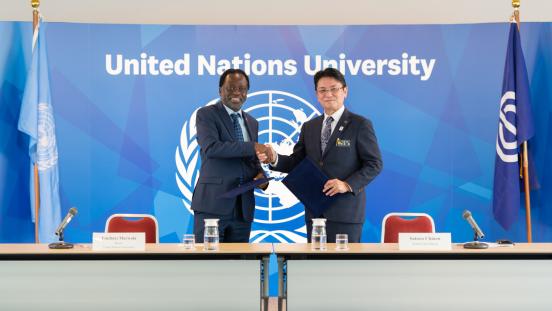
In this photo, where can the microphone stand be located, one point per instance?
(476, 244)
(61, 244)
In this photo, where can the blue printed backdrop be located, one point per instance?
(126, 142)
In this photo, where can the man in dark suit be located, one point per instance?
(227, 138)
(344, 146)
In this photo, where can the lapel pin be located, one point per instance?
(341, 128)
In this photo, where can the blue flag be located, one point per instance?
(515, 126)
(37, 120)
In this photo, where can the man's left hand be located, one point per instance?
(335, 186)
(261, 186)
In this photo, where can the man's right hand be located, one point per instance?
(265, 153)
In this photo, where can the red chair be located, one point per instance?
(137, 223)
(394, 223)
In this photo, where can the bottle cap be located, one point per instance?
(211, 221)
(319, 221)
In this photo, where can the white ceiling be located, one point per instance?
(267, 12)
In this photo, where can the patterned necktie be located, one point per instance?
(326, 132)
(239, 134)
(237, 127)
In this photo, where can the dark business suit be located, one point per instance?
(352, 155)
(224, 161)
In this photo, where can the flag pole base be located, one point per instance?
(60, 245)
(476, 245)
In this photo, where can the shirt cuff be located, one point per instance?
(348, 186)
(273, 164)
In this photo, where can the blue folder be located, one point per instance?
(243, 188)
(306, 182)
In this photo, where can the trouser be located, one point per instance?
(232, 228)
(353, 230)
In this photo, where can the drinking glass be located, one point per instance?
(341, 242)
(188, 241)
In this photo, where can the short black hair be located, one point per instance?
(231, 71)
(329, 73)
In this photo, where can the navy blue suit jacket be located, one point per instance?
(352, 155)
(223, 161)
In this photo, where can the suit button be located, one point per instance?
(321, 163)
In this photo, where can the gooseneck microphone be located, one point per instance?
(468, 217)
(72, 212)
(59, 231)
(478, 234)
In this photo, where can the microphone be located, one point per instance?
(468, 217)
(72, 212)
(477, 231)
(59, 231)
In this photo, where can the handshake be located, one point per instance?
(265, 153)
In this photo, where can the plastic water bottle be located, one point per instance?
(318, 234)
(211, 235)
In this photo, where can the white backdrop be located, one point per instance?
(280, 12)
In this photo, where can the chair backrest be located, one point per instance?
(134, 223)
(394, 223)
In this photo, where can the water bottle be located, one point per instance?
(318, 235)
(211, 235)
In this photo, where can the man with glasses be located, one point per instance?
(344, 146)
(227, 137)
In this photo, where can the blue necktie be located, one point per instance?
(237, 127)
(326, 133)
(238, 132)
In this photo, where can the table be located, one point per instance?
(380, 277)
(163, 277)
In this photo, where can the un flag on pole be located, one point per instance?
(37, 120)
(515, 126)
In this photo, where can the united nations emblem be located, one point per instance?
(279, 216)
(46, 147)
(506, 142)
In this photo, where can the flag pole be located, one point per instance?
(524, 156)
(35, 4)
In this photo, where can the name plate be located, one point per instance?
(131, 241)
(425, 241)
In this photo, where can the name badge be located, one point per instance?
(131, 241)
(425, 241)
(343, 143)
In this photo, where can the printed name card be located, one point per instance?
(425, 241)
(103, 241)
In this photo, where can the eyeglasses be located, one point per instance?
(232, 89)
(333, 90)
